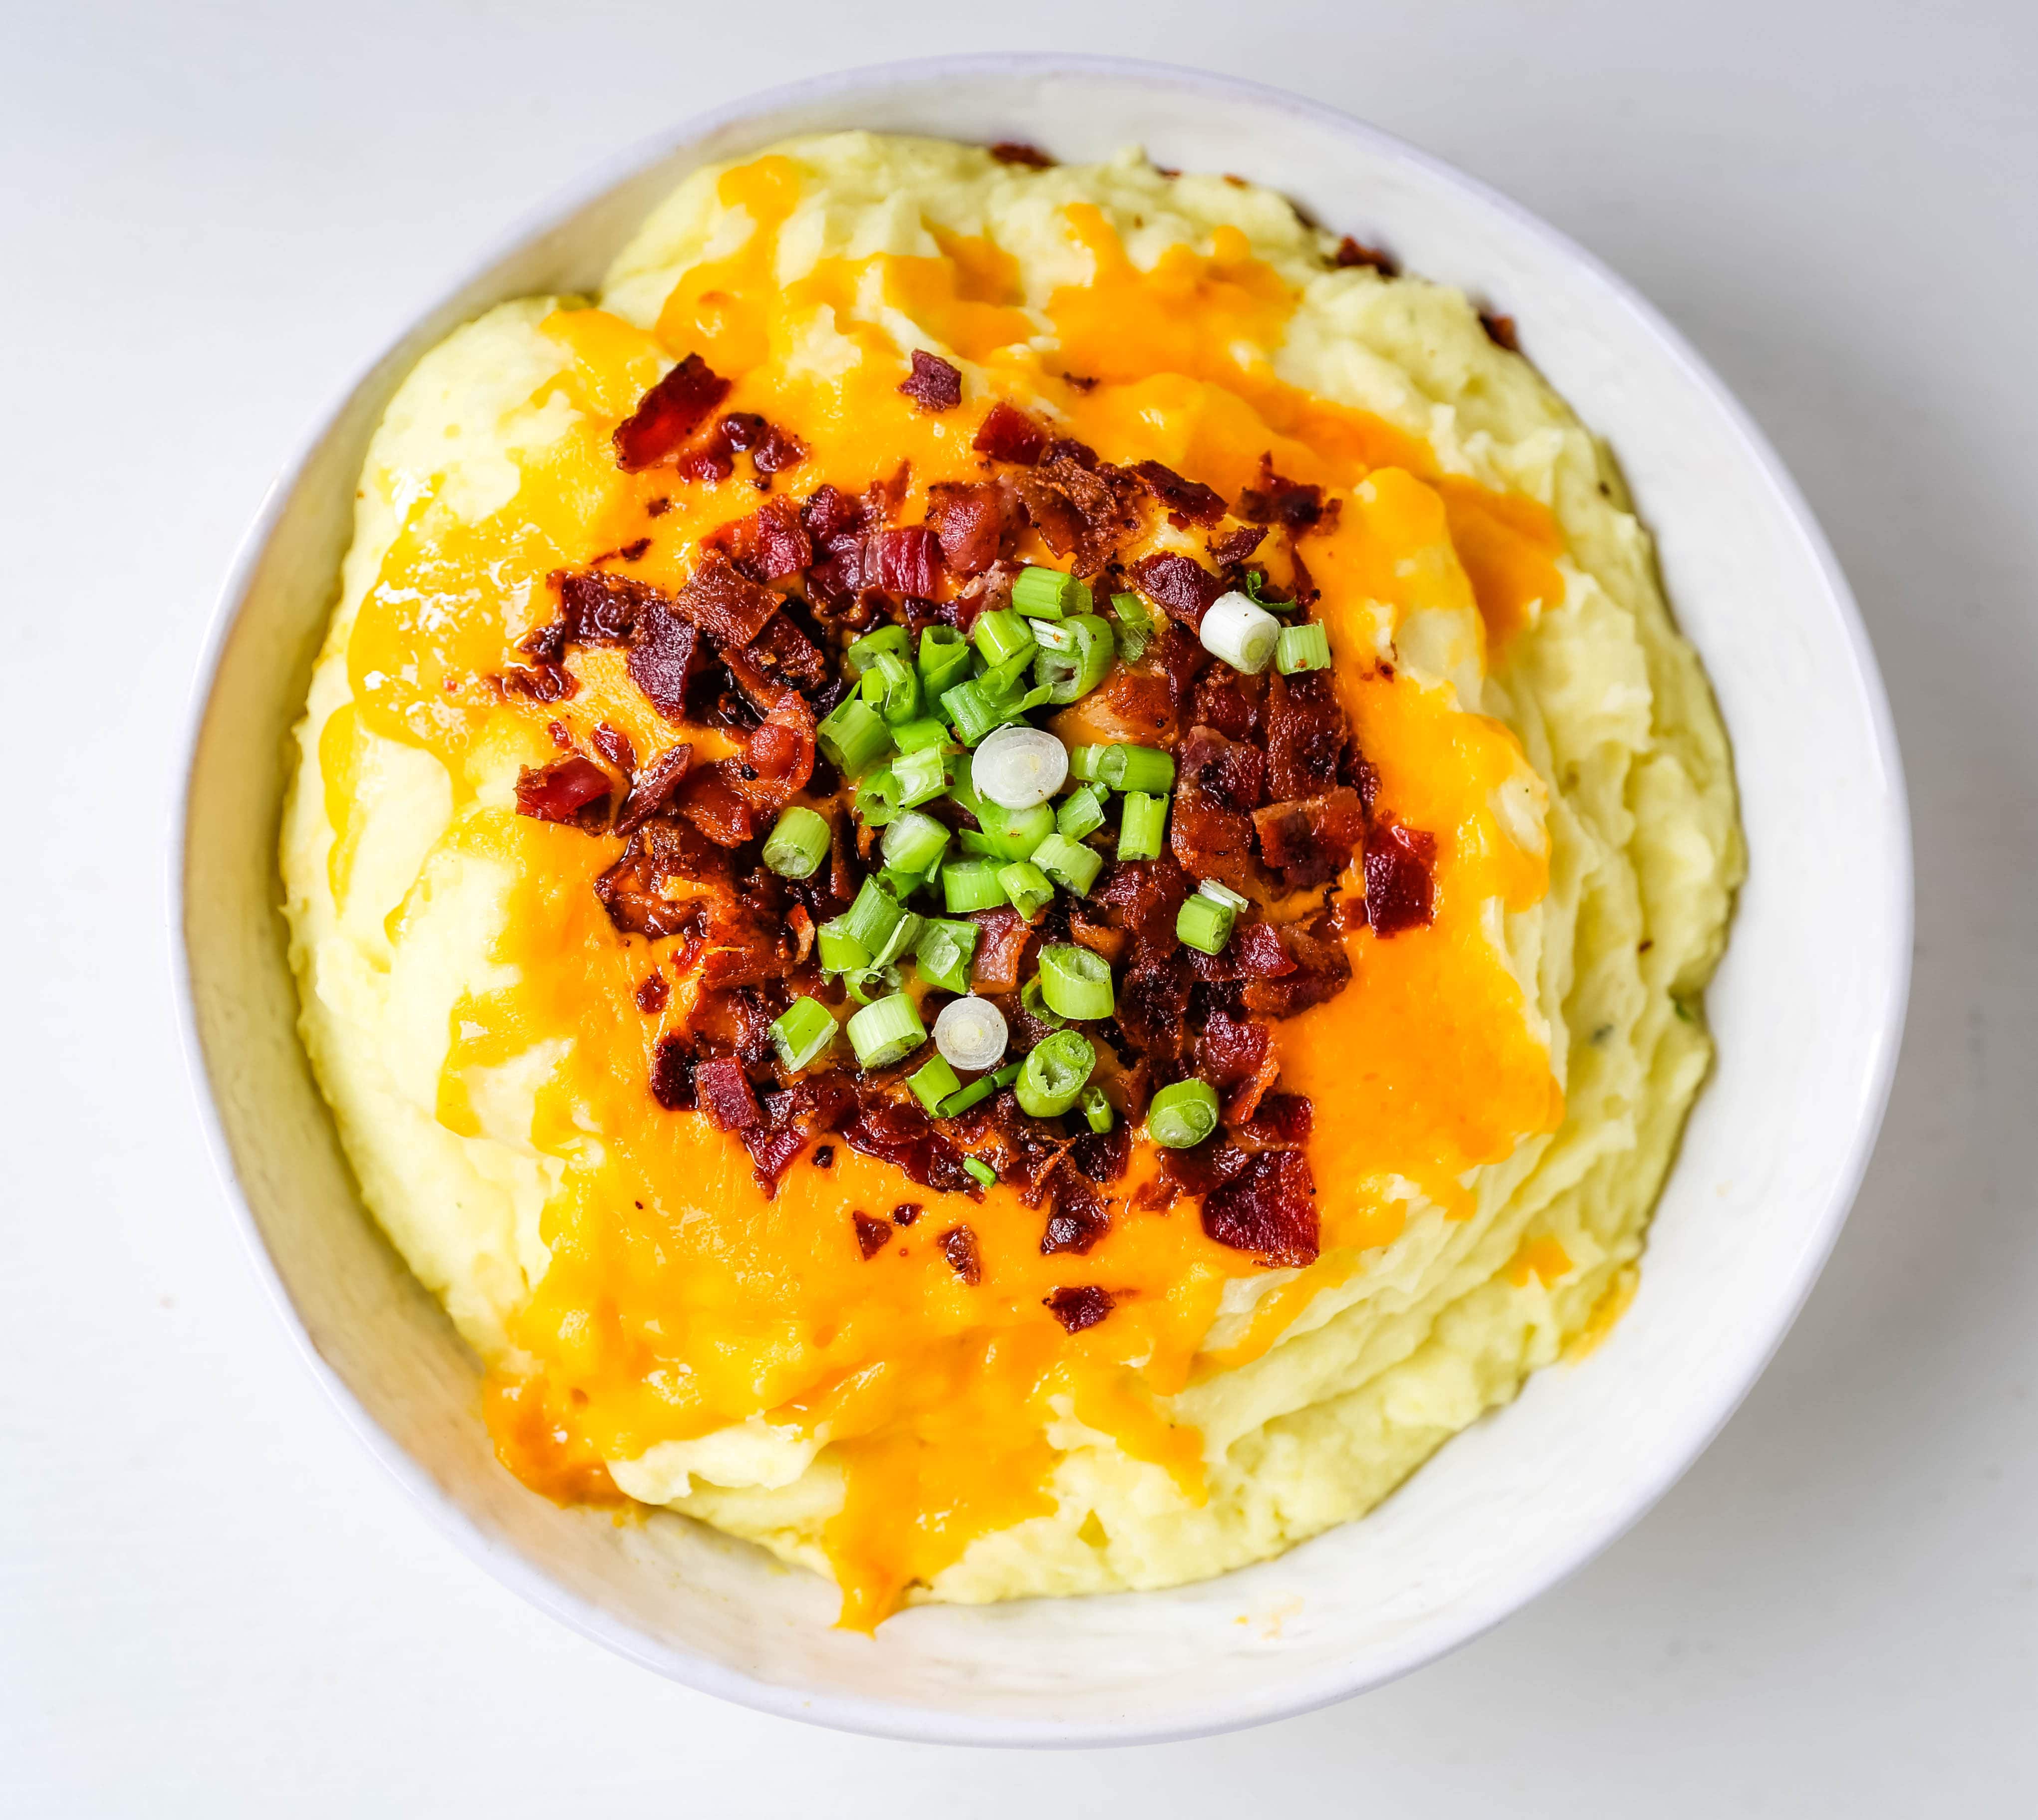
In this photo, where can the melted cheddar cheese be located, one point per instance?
(654, 1323)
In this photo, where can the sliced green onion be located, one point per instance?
(878, 797)
(1074, 981)
(803, 1032)
(1083, 760)
(1205, 923)
(872, 916)
(1010, 834)
(970, 885)
(887, 639)
(1223, 894)
(1037, 1007)
(797, 843)
(1017, 768)
(1302, 648)
(1096, 1110)
(974, 1094)
(840, 952)
(1054, 1073)
(915, 843)
(1005, 1076)
(921, 775)
(1241, 634)
(1081, 813)
(872, 983)
(1018, 707)
(1182, 1114)
(905, 931)
(1001, 635)
(1026, 888)
(1145, 768)
(1069, 862)
(1143, 824)
(854, 737)
(1051, 635)
(885, 1031)
(903, 885)
(980, 1170)
(892, 686)
(1135, 627)
(945, 950)
(1069, 674)
(918, 736)
(970, 1032)
(974, 711)
(1049, 593)
(932, 1082)
(945, 658)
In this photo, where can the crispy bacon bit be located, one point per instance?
(1102, 1155)
(971, 522)
(1310, 842)
(771, 450)
(1235, 546)
(1352, 252)
(1079, 507)
(1009, 434)
(672, 1075)
(872, 1236)
(657, 507)
(541, 682)
(1500, 331)
(664, 654)
(709, 798)
(1190, 501)
(791, 1119)
(906, 1212)
(1001, 949)
(1280, 1121)
(1229, 702)
(651, 994)
(1209, 827)
(1400, 887)
(1079, 1218)
(770, 544)
(1153, 1001)
(1018, 152)
(830, 515)
(613, 745)
(1306, 735)
(783, 650)
(1322, 968)
(595, 607)
(1256, 952)
(904, 1137)
(654, 786)
(666, 414)
(934, 386)
(1143, 896)
(1267, 1207)
(1296, 504)
(1082, 1307)
(574, 791)
(904, 558)
(628, 890)
(959, 1247)
(730, 607)
(1181, 586)
(1230, 774)
(1229, 1050)
(726, 1093)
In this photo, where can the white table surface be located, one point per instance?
(211, 1603)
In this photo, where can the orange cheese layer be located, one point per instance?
(678, 1299)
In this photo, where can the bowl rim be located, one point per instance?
(1307, 1692)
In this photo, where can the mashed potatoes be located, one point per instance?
(1496, 1096)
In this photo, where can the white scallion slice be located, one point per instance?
(1017, 767)
(1243, 635)
(1224, 895)
(971, 1034)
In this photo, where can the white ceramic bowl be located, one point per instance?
(1808, 1007)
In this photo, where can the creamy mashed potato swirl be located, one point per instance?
(1497, 1097)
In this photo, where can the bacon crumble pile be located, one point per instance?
(1272, 799)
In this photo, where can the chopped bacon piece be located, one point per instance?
(1178, 584)
(574, 791)
(959, 1247)
(1229, 702)
(654, 788)
(543, 682)
(1018, 152)
(906, 1212)
(1235, 546)
(1099, 938)
(1230, 774)
(1009, 434)
(1309, 842)
(934, 385)
(1102, 1155)
(1280, 1121)
(971, 522)
(1306, 735)
(1500, 331)
(726, 1093)
(1209, 827)
(783, 650)
(745, 948)
(666, 414)
(1189, 501)
(790, 1121)
(730, 607)
(613, 745)
(672, 1075)
(904, 1137)
(905, 559)
(1352, 252)
(1152, 1001)
(596, 607)
(770, 544)
(1078, 507)
(1322, 969)
(708, 798)
(1001, 949)
(665, 653)
(831, 516)
(1082, 1307)
(1079, 1218)
(771, 450)
(872, 1236)
(1297, 505)
(1230, 1050)
(1400, 887)
(1268, 1208)
(659, 849)
(651, 994)
(1143, 896)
